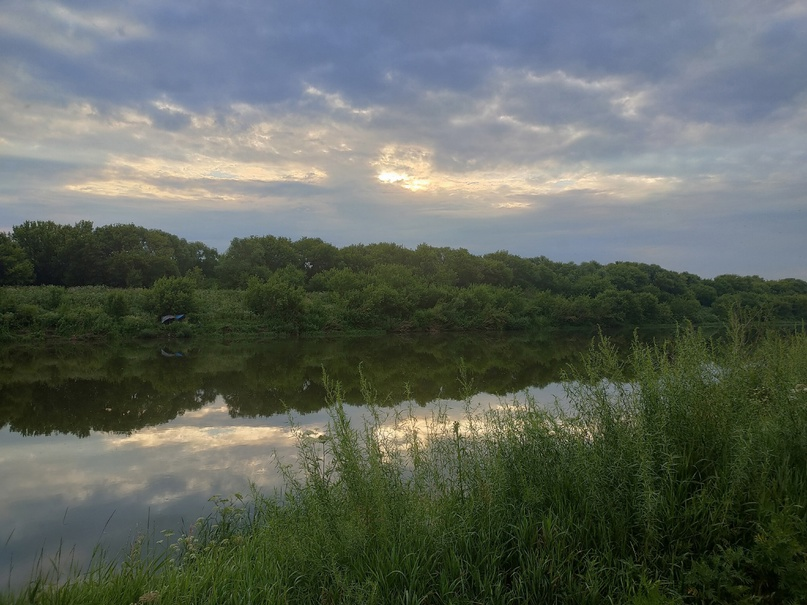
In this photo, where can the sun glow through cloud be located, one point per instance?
(184, 180)
(488, 141)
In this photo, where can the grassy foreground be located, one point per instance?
(680, 479)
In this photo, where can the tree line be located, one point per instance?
(119, 256)
(311, 285)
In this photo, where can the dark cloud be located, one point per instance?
(211, 52)
(16, 171)
(577, 129)
(204, 54)
(749, 74)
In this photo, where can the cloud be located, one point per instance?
(424, 121)
(63, 30)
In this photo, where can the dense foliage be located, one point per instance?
(308, 285)
(679, 478)
(113, 255)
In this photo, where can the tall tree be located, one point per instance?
(83, 256)
(44, 243)
(316, 255)
(15, 267)
(136, 256)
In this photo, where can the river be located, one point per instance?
(101, 443)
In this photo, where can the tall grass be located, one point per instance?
(680, 476)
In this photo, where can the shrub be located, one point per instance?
(115, 304)
(172, 295)
(279, 300)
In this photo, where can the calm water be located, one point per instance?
(98, 444)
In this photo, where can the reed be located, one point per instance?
(680, 476)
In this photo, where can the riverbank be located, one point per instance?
(90, 313)
(99, 313)
(681, 479)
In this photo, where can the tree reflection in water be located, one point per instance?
(78, 389)
(161, 432)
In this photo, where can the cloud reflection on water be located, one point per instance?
(108, 486)
(100, 444)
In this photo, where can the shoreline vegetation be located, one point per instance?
(117, 281)
(680, 477)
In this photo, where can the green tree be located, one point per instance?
(255, 257)
(191, 255)
(280, 299)
(522, 272)
(685, 307)
(589, 279)
(122, 248)
(431, 265)
(337, 280)
(736, 284)
(315, 255)
(172, 295)
(398, 277)
(83, 257)
(705, 293)
(788, 286)
(613, 308)
(389, 254)
(44, 243)
(205, 258)
(670, 283)
(552, 276)
(15, 267)
(136, 256)
(468, 268)
(382, 306)
(627, 276)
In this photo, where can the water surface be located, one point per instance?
(100, 443)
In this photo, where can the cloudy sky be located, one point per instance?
(662, 132)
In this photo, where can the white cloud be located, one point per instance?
(435, 122)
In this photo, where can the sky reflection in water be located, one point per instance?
(148, 476)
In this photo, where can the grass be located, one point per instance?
(101, 313)
(680, 477)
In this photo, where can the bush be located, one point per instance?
(172, 295)
(26, 314)
(280, 301)
(115, 305)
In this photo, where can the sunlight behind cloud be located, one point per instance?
(404, 180)
(349, 123)
(411, 168)
(247, 146)
(408, 167)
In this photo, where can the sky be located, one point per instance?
(672, 133)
